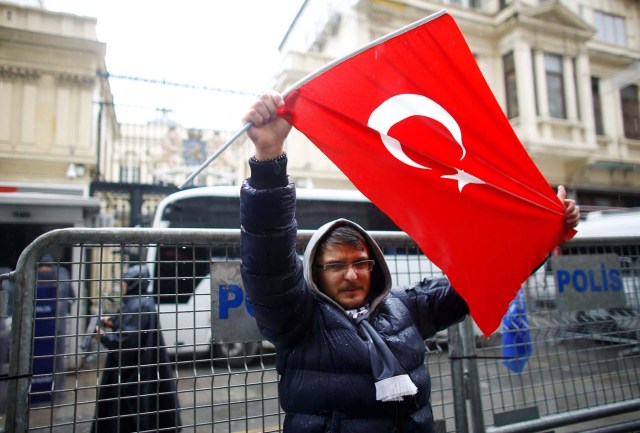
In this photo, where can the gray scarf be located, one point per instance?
(392, 382)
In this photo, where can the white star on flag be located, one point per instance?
(463, 178)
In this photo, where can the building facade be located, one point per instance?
(48, 85)
(565, 72)
(62, 134)
(48, 70)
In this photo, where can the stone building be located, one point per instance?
(48, 84)
(62, 135)
(565, 72)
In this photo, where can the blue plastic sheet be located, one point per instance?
(517, 346)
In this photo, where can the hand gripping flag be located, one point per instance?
(412, 123)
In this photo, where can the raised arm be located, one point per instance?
(269, 131)
(271, 269)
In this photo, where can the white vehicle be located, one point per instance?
(602, 232)
(600, 226)
(48, 207)
(610, 224)
(181, 275)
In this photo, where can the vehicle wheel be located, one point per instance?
(237, 354)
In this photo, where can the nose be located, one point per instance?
(351, 273)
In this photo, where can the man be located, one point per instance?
(55, 299)
(52, 273)
(138, 390)
(349, 347)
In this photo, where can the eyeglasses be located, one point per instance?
(338, 267)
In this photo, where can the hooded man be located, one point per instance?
(349, 347)
(55, 300)
(138, 390)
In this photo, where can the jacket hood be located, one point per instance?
(380, 276)
(137, 279)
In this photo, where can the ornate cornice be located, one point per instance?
(15, 72)
(75, 79)
(8, 72)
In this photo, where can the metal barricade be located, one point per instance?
(585, 360)
(226, 379)
(584, 364)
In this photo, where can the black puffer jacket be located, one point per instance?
(327, 383)
(138, 388)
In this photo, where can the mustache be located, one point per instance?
(351, 286)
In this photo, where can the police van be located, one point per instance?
(594, 278)
(181, 276)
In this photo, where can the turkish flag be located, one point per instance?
(412, 123)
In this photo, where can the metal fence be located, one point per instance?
(151, 147)
(578, 365)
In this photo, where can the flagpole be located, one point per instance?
(308, 78)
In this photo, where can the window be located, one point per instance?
(597, 105)
(511, 90)
(471, 4)
(610, 28)
(129, 174)
(630, 111)
(555, 85)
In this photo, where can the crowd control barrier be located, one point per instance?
(567, 354)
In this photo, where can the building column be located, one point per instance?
(569, 88)
(583, 76)
(543, 102)
(526, 89)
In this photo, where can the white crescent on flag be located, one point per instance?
(400, 107)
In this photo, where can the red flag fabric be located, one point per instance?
(412, 123)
